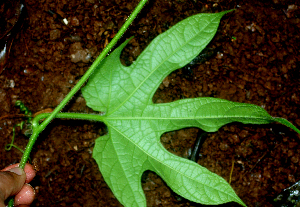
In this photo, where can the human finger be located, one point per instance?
(25, 196)
(11, 182)
(30, 172)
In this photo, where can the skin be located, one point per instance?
(12, 184)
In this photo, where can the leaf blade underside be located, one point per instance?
(135, 124)
(119, 86)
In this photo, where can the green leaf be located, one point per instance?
(135, 124)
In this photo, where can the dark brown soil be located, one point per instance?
(255, 59)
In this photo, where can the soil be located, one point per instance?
(254, 58)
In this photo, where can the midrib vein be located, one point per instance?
(142, 82)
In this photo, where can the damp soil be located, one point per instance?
(254, 58)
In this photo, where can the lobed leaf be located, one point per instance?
(135, 124)
(119, 86)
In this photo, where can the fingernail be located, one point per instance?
(16, 170)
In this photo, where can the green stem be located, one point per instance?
(43, 125)
(36, 132)
(39, 128)
(94, 65)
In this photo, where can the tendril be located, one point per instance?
(24, 109)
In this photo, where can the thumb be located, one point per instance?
(11, 182)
